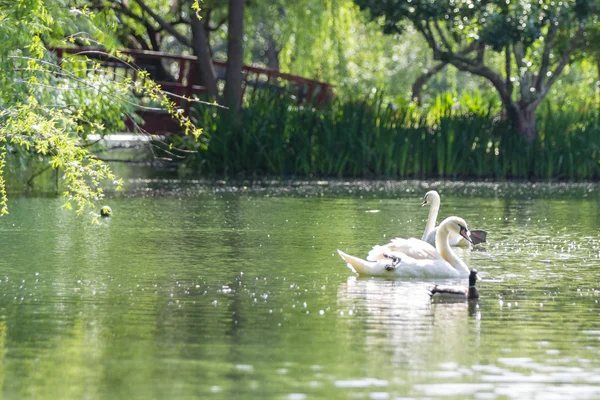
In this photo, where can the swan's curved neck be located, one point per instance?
(431, 219)
(443, 247)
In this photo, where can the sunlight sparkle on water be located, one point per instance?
(163, 288)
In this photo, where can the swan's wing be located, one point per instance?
(400, 265)
(414, 248)
(377, 252)
(373, 268)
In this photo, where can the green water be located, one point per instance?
(220, 292)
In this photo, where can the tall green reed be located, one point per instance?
(452, 137)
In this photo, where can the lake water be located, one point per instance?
(194, 291)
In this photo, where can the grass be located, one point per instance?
(450, 138)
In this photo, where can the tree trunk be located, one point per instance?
(235, 54)
(201, 48)
(523, 120)
(272, 53)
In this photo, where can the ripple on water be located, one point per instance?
(174, 300)
(360, 383)
(297, 396)
(454, 389)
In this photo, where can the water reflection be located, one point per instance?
(226, 294)
(401, 318)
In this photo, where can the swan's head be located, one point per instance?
(457, 225)
(430, 197)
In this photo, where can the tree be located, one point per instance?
(327, 40)
(235, 54)
(158, 26)
(594, 39)
(47, 109)
(537, 40)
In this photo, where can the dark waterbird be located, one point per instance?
(457, 292)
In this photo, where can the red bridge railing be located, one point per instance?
(181, 68)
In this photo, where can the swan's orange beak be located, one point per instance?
(464, 232)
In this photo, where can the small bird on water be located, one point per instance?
(105, 211)
(457, 292)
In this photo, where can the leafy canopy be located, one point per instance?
(542, 34)
(537, 39)
(47, 110)
(496, 23)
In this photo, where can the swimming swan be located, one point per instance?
(416, 258)
(432, 197)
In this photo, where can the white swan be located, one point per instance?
(416, 258)
(433, 198)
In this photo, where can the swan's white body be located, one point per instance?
(413, 257)
(432, 197)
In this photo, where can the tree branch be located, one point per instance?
(174, 23)
(508, 69)
(426, 31)
(121, 8)
(480, 53)
(219, 24)
(564, 60)
(442, 36)
(548, 40)
(464, 64)
(206, 19)
(524, 81)
(164, 24)
(562, 63)
(519, 55)
(141, 41)
(420, 81)
(152, 34)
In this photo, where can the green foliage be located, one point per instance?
(333, 41)
(536, 40)
(47, 109)
(44, 109)
(496, 23)
(327, 40)
(452, 137)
